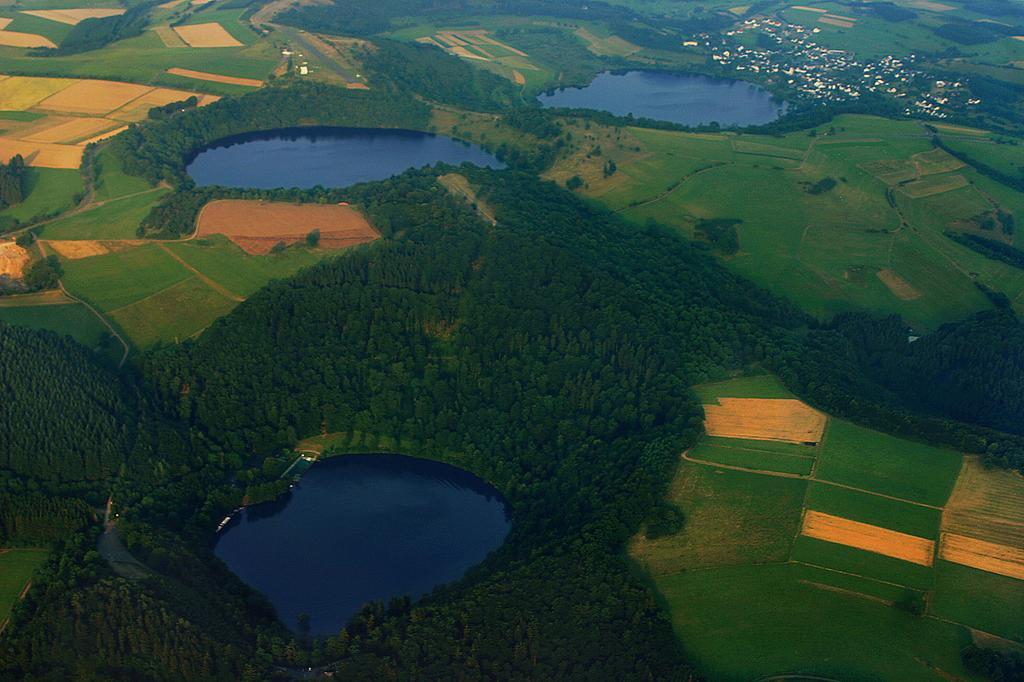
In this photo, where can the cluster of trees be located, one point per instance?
(12, 181)
(92, 34)
(975, 32)
(990, 248)
(174, 107)
(998, 666)
(161, 149)
(721, 233)
(437, 75)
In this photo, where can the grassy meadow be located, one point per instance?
(873, 242)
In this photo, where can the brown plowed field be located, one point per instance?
(986, 556)
(868, 538)
(785, 420)
(257, 226)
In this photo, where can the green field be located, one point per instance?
(16, 567)
(746, 622)
(152, 297)
(117, 218)
(172, 314)
(862, 458)
(983, 600)
(851, 248)
(235, 270)
(114, 280)
(70, 319)
(112, 181)
(761, 386)
(752, 458)
(49, 191)
(732, 518)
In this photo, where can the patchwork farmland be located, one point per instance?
(922, 543)
(67, 114)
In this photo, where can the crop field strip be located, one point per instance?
(867, 537)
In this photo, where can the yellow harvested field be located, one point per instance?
(73, 16)
(900, 288)
(15, 39)
(985, 556)
(1018, 38)
(76, 249)
(104, 136)
(786, 420)
(450, 38)
(5, 22)
(463, 52)
(257, 225)
(94, 97)
(987, 503)
(739, 10)
(210, 34)
(809, 9)
(214, 77)
(831, 21)
(68, 130)
(869, 538)
(168, 37)
(18, 93)
(518, 77)
(41, 154)
(611, 46)
(171, 4)
(13, 259)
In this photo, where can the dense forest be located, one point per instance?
(71, 420)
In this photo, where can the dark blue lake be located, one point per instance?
(361, 528)
(331, 157)
(681, 98)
